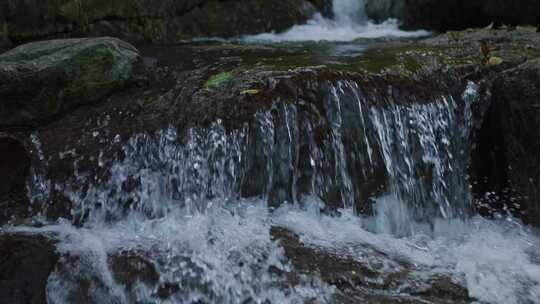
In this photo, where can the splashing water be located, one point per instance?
(350, 23)
(191, 212)
(496, 260)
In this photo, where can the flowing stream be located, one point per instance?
(193, 210)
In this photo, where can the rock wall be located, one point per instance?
(507, 159)
(455, 14)
(167, 21)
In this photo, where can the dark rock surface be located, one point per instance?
(368, 277)
(168, 21)
(43, 79)
(455, 15)
(15, 168)
(25, 264)
(508, 153)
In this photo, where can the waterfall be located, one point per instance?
(355, 150)
(371, 175)
(349, 23)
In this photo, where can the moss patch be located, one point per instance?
(218, 79)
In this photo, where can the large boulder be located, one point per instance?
(507, 158)
(25, 264)
(41, 80)
(166, 21)
(457, 14)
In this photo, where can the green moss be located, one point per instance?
(218, 79)
(59, 75)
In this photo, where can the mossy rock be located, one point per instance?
(41, 80)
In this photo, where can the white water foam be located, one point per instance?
(218, 249)
(349, 23)
(220, 256)
(496, 260)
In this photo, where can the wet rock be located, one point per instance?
(507, 159)
(168, 21)
(130, 268)
(15, 168)
(381, 10)
(81, 277)
(25, 264)
(41, 80)
(135, 270)
(368, 276)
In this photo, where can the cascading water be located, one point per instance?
(186, 215)
(349, 23)
(192, 210)
(347, 13)
(411, 145)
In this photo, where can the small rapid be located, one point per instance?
(349, 23)
(376, 180)
(223, 256)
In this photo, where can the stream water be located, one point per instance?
(199, 208)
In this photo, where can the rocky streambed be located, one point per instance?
(241, 172)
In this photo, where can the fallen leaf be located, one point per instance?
(494, 61)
